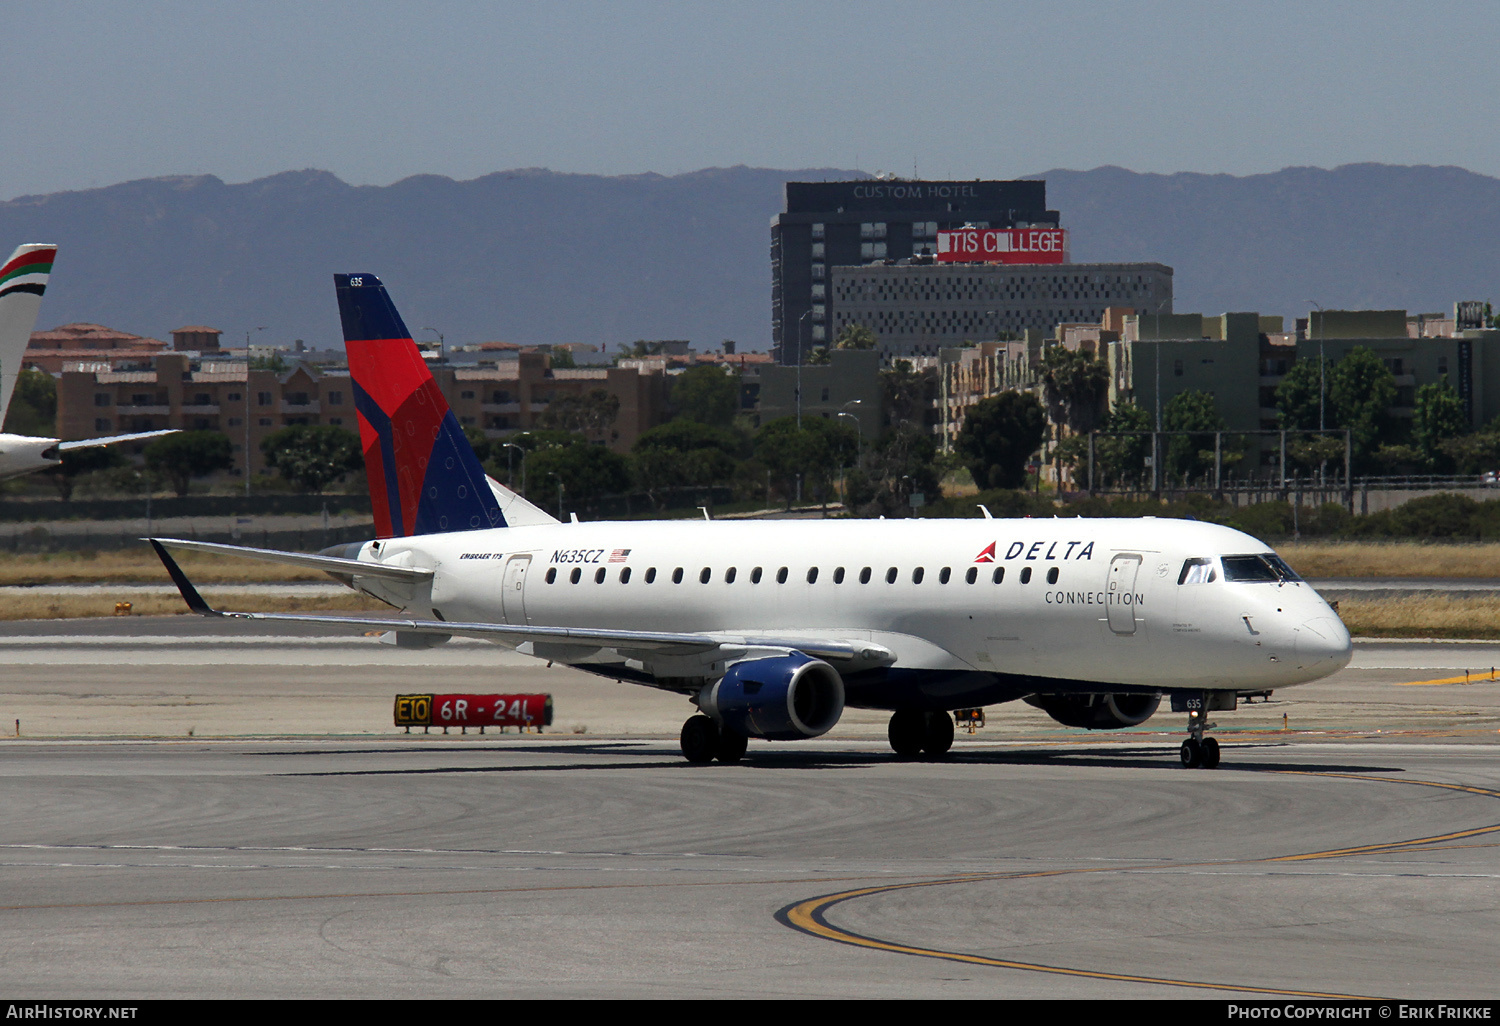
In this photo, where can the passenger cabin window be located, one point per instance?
(998, 575)
(838, 575)
(945, 573)
(677, 575)
(781, 576)
(729, 575)
(917, 574)
(551, 574)
(890, 576)
(1197, 571)
(625, 575)
(1025, 575)
(755, 576)
(1052, 576)
(864, 576)
(705, 575)
(812, 575)
(576, 575)
(972, 574)
(599, 576)
(651, 575)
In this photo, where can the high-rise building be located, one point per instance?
(833, 224)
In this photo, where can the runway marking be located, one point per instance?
(1476, 677)
(810, 916)
(459, 892)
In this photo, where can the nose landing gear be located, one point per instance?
(1198, 751)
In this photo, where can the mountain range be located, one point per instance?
(535, 256)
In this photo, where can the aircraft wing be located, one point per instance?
(629, 643)
(88, 443)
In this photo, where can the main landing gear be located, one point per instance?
(703, 742)
(913, 732)
(1199, 751)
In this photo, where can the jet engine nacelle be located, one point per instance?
(1097, 712)
(780, 698)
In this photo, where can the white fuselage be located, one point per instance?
(1083, 603)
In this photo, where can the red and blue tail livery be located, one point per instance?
(424, 476)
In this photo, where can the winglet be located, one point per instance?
(189, 593)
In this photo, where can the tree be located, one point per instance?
(1076, 386)
(815, 452)
(1439, 416)
(1359, 391)
(33, 405)
(902, 461)
(1121, 458)
(907, 393)
(998, 437)
(77, 462)
(706, 394)
(855, 336)
(591, 413)
(312, 457)
(1190, 411)
(1362, 388)
(587, 472)
(684, 454)
(189, 454)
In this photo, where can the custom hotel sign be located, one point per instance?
(1003, 246)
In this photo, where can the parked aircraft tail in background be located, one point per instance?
(23, 279)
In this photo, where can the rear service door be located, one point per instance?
(1120, 592)
(513, 590)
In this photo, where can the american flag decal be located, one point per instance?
(619, 555)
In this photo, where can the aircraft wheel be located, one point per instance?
(1192, 754)
(731, 746)
(937, 736)
(1210, 753)
(700, 740)
(907, 731)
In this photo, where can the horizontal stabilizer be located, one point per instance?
(89, 443)
(329, 564)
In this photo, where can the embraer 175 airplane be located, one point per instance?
(772, 628)
(23, 280)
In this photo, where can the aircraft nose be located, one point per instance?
(1323, 644)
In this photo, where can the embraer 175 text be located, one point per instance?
(771, 628)
(23, 281)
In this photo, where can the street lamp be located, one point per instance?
(439, 334)
(510, 475)
(1322, 367)
(858, 445)
(801, 355)
(247, 409)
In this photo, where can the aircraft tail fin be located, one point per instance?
(424, 475)
(23, 279)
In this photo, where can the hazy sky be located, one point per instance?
(102, 92)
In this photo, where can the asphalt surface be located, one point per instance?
(308, 848)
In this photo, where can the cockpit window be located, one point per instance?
(1197, 570)
(1267, 567)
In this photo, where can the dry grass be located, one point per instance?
(1392, 559)
(1422, 617)
(52, 607)
(135, 566)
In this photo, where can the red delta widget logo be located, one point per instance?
(1003, 246)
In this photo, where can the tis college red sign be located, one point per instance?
(1003, 246)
